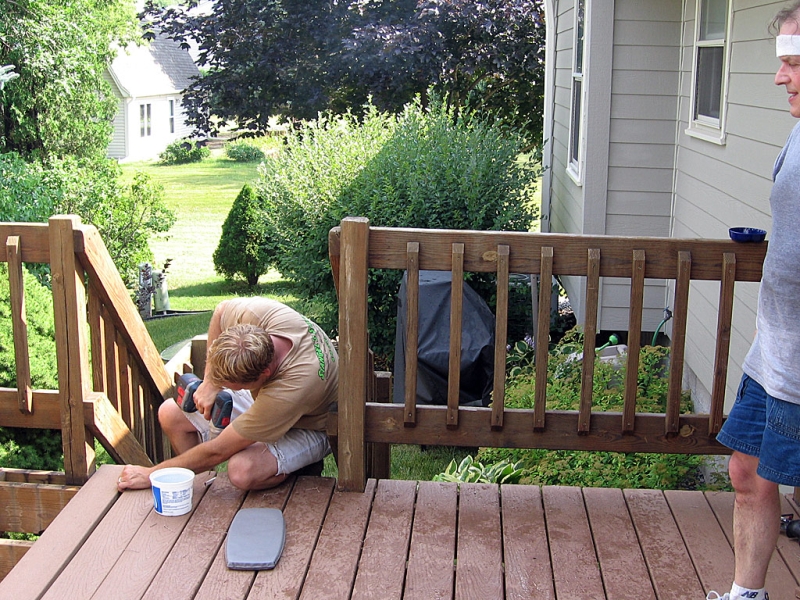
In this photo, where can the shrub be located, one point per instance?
(184, 151)
(125, 215)
(243, 151)
(606, 469)
(245, 248)
(423, 168)
(29, 448)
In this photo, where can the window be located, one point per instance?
(144, 119)
(576, 108)
(172, 116)
(710, 72)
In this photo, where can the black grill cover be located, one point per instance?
(477, 343)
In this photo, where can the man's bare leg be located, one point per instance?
(254, 468)
(180, 431)
(756, 521)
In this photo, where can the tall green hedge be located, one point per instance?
(424, 168)
(29, 448)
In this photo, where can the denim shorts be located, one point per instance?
(296, 449)
(763, 426)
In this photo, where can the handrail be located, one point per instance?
(355, 247)
(111, 377)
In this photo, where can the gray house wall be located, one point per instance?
(660, 179)
(722, 185)
(632, 90)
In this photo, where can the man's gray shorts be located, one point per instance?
(295, 450)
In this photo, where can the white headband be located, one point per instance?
(787, 45)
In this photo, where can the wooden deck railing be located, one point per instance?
(111, 378)
(355, 248)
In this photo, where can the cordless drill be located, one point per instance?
(223, 404)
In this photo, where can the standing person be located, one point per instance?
(282, 372)
(763, 428)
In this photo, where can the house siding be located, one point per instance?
(116, 147)
(718, 186)
(633, 85)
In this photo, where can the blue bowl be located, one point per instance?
(747, 234)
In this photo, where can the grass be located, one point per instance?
(202, 194)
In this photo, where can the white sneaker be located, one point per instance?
(716, 596)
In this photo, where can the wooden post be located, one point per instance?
(353, 349)
(72, 352)
(19, 323)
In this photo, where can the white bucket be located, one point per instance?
(172, 491)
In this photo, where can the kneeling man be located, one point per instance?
(282, 372)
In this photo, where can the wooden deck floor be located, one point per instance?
(399, 539)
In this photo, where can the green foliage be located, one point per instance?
(425, 168)
(472, 471)
(125, 215)
(331, 56)
(244, 151)
(60, 105)
(184, 151)
(601, 469)
(29, 448)
(598, 469)
(246, 247)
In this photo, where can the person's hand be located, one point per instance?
(204, 397)
(134, 477)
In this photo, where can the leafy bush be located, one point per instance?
(423, 168)
(184, 151)
(29, 448)
(245, 248)
(244, 151)
(125, 215)
(606, 469)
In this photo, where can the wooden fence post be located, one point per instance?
(72, 350)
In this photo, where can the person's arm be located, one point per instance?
(206, 393)
(202, 457)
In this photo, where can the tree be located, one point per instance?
(485, 56)
(245, 247)
(297, 59)
(60, 104)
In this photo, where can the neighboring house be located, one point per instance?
(662, 119)
(149, 81)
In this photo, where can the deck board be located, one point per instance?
(529, 573)
(575, 570)
(479, 573)
(335, 561)
(662, 545)
(381, 571)
(711, 553)
(621, 561)
(430, 572)
(399, 539)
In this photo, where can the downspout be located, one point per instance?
(551, 27)
(678, 128)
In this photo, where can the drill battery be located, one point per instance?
(223, 403)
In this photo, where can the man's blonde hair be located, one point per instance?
(240, 354)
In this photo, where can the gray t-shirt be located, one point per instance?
(774, 358)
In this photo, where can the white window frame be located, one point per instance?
(707, 127)
(172, 116)
(145, 120)
(577, 125)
